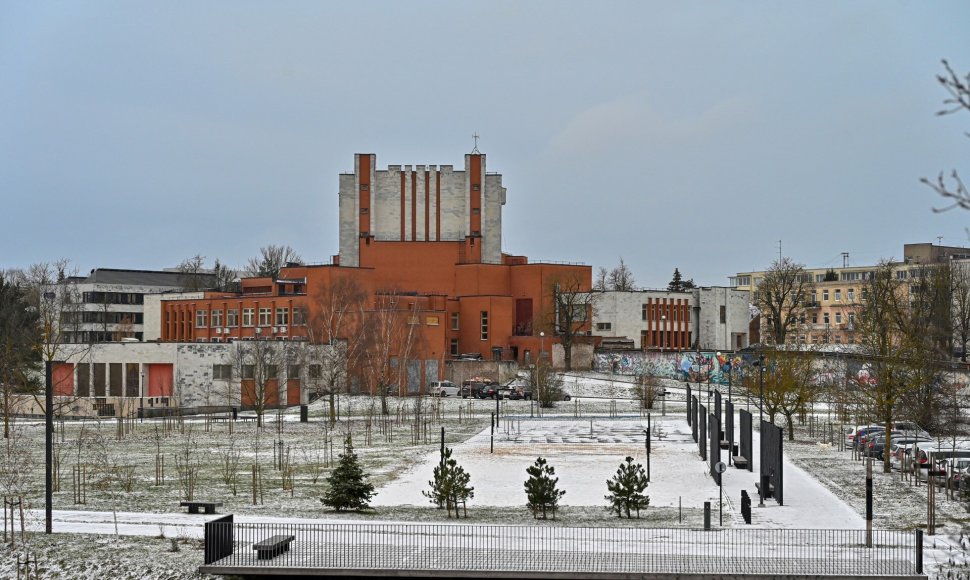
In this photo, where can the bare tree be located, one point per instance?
(257, 364)
(271, 258)
(789, 385)
(959, 89)
(192, 273)
(961, 307)
(602, 274)
(781, 298)
(391, 335)
(621, 278)
(338, 320)
(573, 301)
(895, 360)
(226, 278)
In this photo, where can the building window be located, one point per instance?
(293, 371)
(216, 318)
(838, 339)
(801, 339)
(838, 318)
(264, 316)
(272, 371)
(454, 347)
(315, 371)
(299, 316)
(200, 318)
(221, 372)
(431, 321)
(850, 294)
(851, 320)
(825, 295)
(643, 312)
(484, 318)
(838, 295)
(825, 317)
(248, 314)
(814, 318)
(723, 314)
(454, 321)
(604, 326)
(232, 318)
(282, 316)
(248, 371)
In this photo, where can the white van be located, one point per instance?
(443, 389)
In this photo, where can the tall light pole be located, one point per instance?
(761, 388)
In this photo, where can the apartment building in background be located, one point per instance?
(828, 316)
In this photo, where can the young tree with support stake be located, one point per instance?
(626, 489)
(449, 487)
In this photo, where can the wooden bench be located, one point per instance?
(740, 462)
(208, 506)
(771, 490)
(272, 546)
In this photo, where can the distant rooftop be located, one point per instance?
(143, 277)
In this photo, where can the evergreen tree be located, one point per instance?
(625, 489)
(348, 489)
(540, 489)
(678, 284)
(450, 485)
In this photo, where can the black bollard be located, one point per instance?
(707, 515)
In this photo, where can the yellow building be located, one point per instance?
(829, 315)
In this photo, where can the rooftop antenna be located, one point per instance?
(845, 259)
(939, 240)
(475, 151)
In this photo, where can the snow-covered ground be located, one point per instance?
(584, 439)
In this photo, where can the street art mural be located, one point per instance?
(696, 367)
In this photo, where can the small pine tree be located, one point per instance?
(349, 489)
(678, 284)
(450, 485)
(540, 489)
(625, 489)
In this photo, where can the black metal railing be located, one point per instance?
(538, 549)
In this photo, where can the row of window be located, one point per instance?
(213, 318)
(113, 298)
(667, 313)
(849, 295)
(224, 372)
(102, 317)
(850, 318)
(824, 339)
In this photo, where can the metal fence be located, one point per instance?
(551, 549)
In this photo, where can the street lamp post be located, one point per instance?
(761, 389)
(141, 411)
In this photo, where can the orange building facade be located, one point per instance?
(430, 237)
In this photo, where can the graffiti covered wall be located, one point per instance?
(700, 367)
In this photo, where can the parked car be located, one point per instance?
(471, 389)
(864, 434)
(443, 389)
(859, 430)
(877, 443)
(524, 392)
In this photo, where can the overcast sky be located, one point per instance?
(677, 134)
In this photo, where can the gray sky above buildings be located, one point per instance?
(676, 134)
